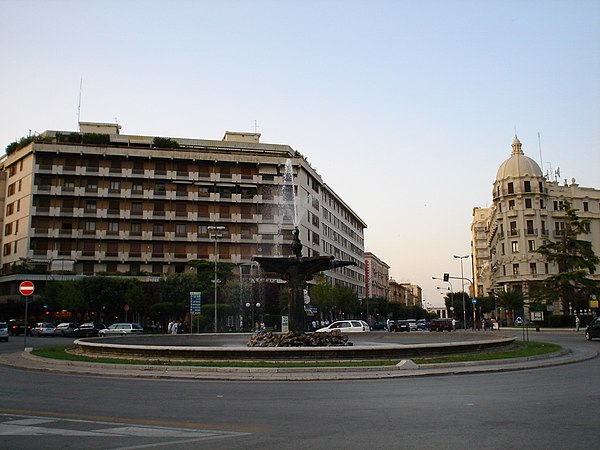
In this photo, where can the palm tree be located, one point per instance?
(511, 300)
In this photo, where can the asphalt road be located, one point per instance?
(553, 407)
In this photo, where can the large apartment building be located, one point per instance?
(97, 201)
(525, 213)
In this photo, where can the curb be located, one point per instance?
(405, 368)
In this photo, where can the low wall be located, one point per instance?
(157, 347)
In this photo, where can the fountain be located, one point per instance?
(296, 270)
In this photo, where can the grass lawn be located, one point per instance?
(520, 349)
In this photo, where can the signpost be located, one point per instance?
(26, 288)
(195, 308)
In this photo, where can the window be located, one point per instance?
(511, 188)
(527, 186)
(136, 229)
(542, 204)
(7, 229)
(90, 226)
(515, 246)
(586, 206)
(160, 189)
(91, 186)
(115, 186)
(137, 187)
(90, 206)
(515, 268)
(113, 227)
(513, 229)
(503, 250)
(158, 229)
(114, 207)
(11, 189)
(180, 229)
(511, 205)
(528, 203)
(533, 268)
(531, 245)
(6, 250)
(136, 208)
(530, 228)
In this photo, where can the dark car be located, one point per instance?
(400, 325)
(378, 326)
(593, 329)
(88, 329)
(16, 327)
(441, 325)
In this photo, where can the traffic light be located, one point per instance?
(446, 276)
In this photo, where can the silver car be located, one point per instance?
(122, 329)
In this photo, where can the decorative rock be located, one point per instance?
(298, 339)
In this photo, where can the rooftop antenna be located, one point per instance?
(540, 148)
(255, 126)
(79, 104)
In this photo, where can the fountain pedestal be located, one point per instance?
(297, 271)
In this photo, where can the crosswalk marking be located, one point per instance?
(24, 425)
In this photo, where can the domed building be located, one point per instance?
(525, 213)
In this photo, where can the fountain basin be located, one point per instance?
(231, 347)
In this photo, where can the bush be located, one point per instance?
(165, 143)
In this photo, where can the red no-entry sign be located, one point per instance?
(26, 288)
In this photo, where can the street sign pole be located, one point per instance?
(26, 288)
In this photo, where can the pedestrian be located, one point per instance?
(577, 323)
(170, 327)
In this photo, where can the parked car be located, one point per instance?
(16, 327)
(413, 324)
(122, 329)
(4, 331)
(88, 329)
(422, 324)
(441, 325)
(400, 325)
(378, 326)
(65, 329)
(593, 329)
(43, 329)
(346, 326)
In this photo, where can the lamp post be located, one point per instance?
(216, 236)
(462, 276)
(451, 293)
(253, 305)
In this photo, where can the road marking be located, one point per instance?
(26, 425)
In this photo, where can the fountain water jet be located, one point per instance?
(296, 270)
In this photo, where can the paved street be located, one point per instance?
(550, 407)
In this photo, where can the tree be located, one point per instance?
(511, 300)
(575, 259)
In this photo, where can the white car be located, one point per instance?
(3, 331)
(346, 326)
(122, 329)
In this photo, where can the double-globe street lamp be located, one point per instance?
(253, 305)
(216, 235)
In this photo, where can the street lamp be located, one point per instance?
(451, 293)
(216, 236)
(253, 305)
(462, 276)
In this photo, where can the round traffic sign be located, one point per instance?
(26, 288)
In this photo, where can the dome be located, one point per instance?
(518, 165)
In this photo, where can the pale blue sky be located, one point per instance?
(406, 108)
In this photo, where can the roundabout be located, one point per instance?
(232, 347)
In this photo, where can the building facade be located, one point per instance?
(406, 294)
(525, 213)
(97, 201)
(377, 274)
